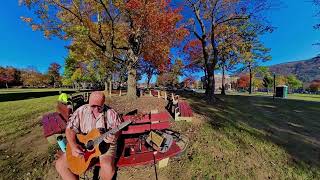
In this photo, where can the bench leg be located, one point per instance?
(176, 114)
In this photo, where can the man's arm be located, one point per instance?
(76, 149)
(113, 120)
(71, 137)
(71, 131)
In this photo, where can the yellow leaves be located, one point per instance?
(35, 27)
(47, 33)
(26, 19)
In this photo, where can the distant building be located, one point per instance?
(229, 80)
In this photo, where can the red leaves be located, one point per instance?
(315, 85)
(194, 51)
(243, 81)
(134, 4)
(189, 81)
(7, 75)
(157, 23)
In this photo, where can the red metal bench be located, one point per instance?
(183, 112)
(154, 93)
(64, 110)
(53, 123)
(147, 123)
(140, 155)
(135, 151)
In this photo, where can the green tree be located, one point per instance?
(267, 82)
(120, 32)
(54, 75)
(176, 72)
(253, 52)
(205, 23)
(293, 82)
(70, 67)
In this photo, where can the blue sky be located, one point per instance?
(21, 47)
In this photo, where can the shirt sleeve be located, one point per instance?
(74, 121)
(113, 120)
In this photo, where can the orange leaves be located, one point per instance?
(157, 23)
(194, 49)
(315, 85)
(134, 4)
(243, 81)
(26, 19)
(35, 27)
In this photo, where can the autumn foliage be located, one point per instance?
(30, 77)
(117, 33)
(315, 85)
(243, 81)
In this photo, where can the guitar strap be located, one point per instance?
(105, 109)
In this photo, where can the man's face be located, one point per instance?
(96, 101)
(97, 108)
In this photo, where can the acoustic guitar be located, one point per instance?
(90, 144)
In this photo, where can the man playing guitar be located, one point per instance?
(84, 119)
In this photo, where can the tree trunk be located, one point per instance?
(223, 89)
(250, 84)
(7, 85)
(110, 87)
(148, 80)
(132, 83)
(132, 76)
(210, 87)
(205, 83)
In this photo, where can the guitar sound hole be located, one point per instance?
(90, 145)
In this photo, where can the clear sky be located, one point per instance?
(21, 47)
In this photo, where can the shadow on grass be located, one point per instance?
(28, 95)
(293, 125)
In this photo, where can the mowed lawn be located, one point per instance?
(26, 90)
(295, 96)
(251, 137)
(23, 150)
(240, 137)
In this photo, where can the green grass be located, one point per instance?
(17, 117)
(239, 137)
(23, 94)
(251, 137)
(24, 90)
(305, 97)
(23, 149)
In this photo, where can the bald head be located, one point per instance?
(97, 98)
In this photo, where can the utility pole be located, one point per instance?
(274, 85)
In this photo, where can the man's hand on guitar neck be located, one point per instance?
(112, 139)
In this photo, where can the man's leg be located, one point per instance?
(63, 168)
(107, 167)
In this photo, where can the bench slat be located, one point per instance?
(185, 109)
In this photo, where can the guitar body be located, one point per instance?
(79, 165)
(90, 143)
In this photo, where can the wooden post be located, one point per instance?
(150, 92)
(120, 92)
(159, 94)
(165, 95)
(106, 88)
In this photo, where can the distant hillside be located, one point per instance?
(306, 70)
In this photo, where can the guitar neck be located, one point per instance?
(112, 131)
